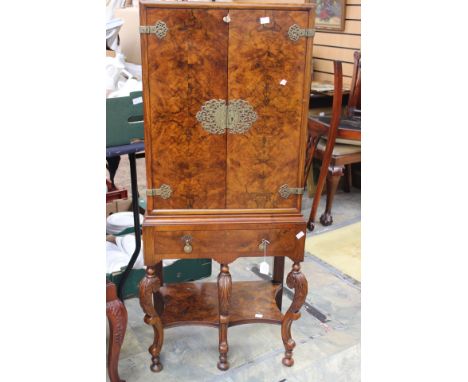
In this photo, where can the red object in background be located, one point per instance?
(114, 193)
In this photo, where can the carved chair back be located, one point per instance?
(336, 108)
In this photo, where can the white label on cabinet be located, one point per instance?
(137, 100)
(300, 234)
(258, 315)
(264, 20)
(283, 82)
(264, 267)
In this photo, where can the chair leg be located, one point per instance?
(347, 184)
(310, 150)
(333, 178)
(318, 194)
(117, 316)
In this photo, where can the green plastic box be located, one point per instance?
(124, 120)
(180, 271)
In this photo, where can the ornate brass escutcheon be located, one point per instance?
(164, 191)
(240, 116)
(216, 117)
(212, 116)
(285, 191)
(295, 32)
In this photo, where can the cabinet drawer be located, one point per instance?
(243, 242)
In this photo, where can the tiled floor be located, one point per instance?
(327, 335)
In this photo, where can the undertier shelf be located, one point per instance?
(197, 303)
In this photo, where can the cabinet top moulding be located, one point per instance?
(226, 5)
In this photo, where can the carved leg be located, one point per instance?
(149, 286)
(297, 281)
(224, 298)
(333, 178)
(117, 316)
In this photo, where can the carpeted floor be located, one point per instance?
(341, 248)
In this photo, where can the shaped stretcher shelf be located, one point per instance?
(197, 303)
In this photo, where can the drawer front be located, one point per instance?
(223, 244)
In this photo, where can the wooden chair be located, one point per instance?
(117, 316)
(341, 147)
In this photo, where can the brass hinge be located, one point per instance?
(160, 29)
(164, 191)
(285, 191)
(295, 32)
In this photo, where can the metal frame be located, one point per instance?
(132, 151)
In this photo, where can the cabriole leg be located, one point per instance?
(224, 298)
(149, 286)
(117, 316)
(297, 281)
(333, 178)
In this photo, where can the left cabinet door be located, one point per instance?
(184, 67)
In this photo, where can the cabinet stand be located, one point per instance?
(221, 305)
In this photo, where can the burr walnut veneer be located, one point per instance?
(226, 89)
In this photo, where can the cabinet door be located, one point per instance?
(184, 69)
(267, 69)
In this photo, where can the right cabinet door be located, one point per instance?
(266, 70)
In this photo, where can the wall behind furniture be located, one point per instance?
(329, 46)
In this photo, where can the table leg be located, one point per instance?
(297, 281)
(224, 299)
(117, 316)
(148, 287)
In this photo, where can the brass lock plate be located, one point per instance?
(236, 117)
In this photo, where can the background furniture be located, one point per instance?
(133, 151)
(117, 317)
(226, 89)
(346, 131)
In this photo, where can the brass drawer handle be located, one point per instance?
(188, 247)
(188, 244)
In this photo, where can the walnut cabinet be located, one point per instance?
(226, 89)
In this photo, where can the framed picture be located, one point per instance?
(330, 14)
